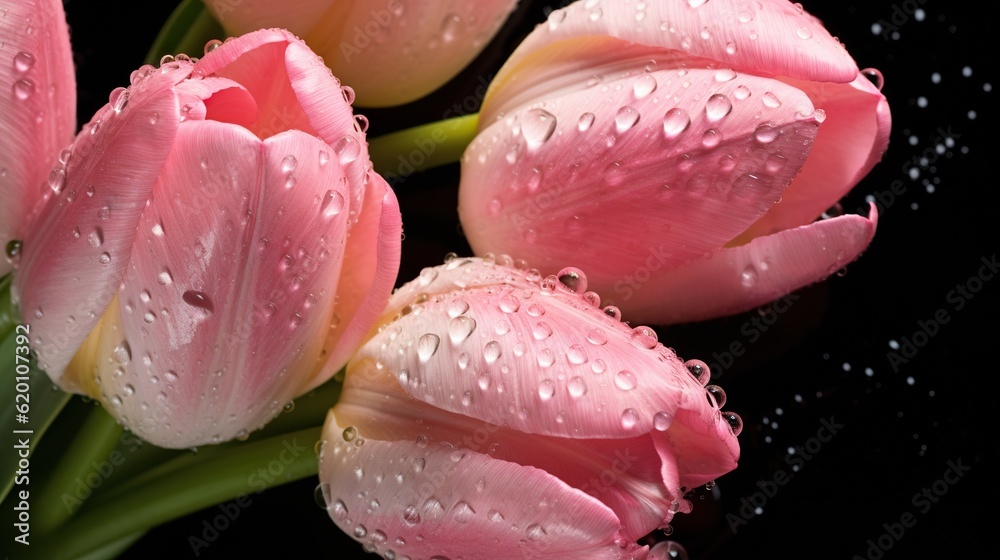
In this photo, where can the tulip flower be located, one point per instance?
(215, 243)
(37, 110)
(390, 51)
(679, 151)
(500, 414)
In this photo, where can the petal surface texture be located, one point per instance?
(38, 108)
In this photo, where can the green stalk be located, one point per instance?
(114, 549)
(91, 446)
(186, 31)
(399, 154)
(8, 312)
(245, 469)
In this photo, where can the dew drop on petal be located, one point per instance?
(427, 345)
(625, 118)
(717, 107)
(537, 126)
(629, 418)
(675, 122)
(585, 122)
(347, 149)
(460, 328)
(625, 380)
(643, 86)
(662, 421)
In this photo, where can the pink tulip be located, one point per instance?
(37, 108)
(390, 51)
(218, 244)
(680, 151)
(499, 414)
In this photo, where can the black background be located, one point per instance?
(900, 428)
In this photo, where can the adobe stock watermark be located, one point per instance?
(261, 479)
(753, 504)
(84, 486)
(752, 330)
(958, 297)
(900, 15)
(372, 31)
(922, 503)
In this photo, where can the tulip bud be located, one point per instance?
(220, 246)
(37, 112)
(680, 153)
(415, 45)
(498, 413)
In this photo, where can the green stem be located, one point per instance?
(9, 316)
(113, 549)
(186, 31)
(90, 449)
(246, 469)
(399, 154)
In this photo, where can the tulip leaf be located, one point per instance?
(390, 152)
(208, 480)
(186, 31)
(35, 400)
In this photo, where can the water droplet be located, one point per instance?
(541, 331)
(360, 531)
(662, 421)
(96, 237)
(23, 61)
(118, 99)
(333, 204)
(349, 433)
(57, 179)
(766, 133)
(509, 303)
(749, 276)
(716, 396)
(105, 258)
(427, 345)
(585, 122)
(725, 75)
(735, 422)
(643, 337)
(537, 126)
(803, 32)
(104, 212)
(625, 380)
(492, 352)
(535, 532)
(696, 3)
(23, 89)
(123, 352)
(288, 164)
(675, 122)
(158, 229)
(463, 512)
(699, 370)
(625, 118)
(875, 77)
(577, 387)
(411, 516)
(450, 27)
(629, 418)
(643, 86)
(347, 149)
(164, 278)
(199, 300)
(457, 307)
(460, 328)
(546, 389)
(730, 48)
(771, 100)
(613, 312)
(711, 138)
(573, 279)
(717, 107)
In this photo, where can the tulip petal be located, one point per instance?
(417, 46)
(741, 278)
(667, 166)
(373, 253)
(625, 474)
(38, 107)
(539, 359)
(226, 202)
(768, 37)
(421, 499)
(83, 239)
(850, 143)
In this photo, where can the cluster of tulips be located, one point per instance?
(216, 242)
